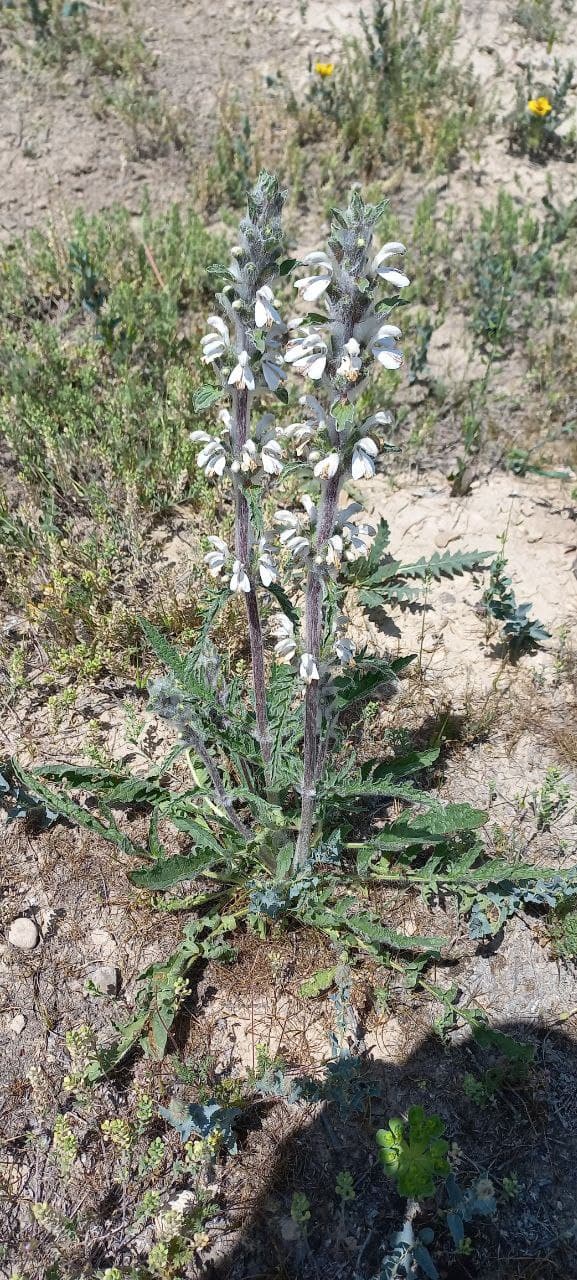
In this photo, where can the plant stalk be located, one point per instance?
(240, 425)
(313, 638)
(195, 741)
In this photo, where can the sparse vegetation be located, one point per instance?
(251, 924)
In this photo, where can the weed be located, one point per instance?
(542, 19)
(98, 378)
(415, 1155)
(540, 112)
(153, 125)
(398, 94)
(510, 260)
(552, 800)
(561, 929)
(520, 632)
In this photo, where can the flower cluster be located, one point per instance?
(305, 558)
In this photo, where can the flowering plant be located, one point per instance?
(277, 794)
(251, 350)
(537, 120)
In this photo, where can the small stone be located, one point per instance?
(105, 978)
(23, 933)
(17, 1025)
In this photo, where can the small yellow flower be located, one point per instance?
(324, 69)
(539, 106)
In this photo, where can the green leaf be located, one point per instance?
(285, 603)
(366, 928)
(205, 396)
(169, 871)
(287, 265)
(449, 820)
(379, 545)
(405, 765)
(319, 983)
(64, 805)
(284, 861)
(430, 828)
(363, 679)
(444, 565)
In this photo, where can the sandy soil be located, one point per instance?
(55, 155)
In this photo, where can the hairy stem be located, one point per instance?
(195, 741)
(240, 425)
(313, 637)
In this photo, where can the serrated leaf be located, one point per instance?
(449, 820)
(64, 805)
(170, 871)
(404, 766)
(319, 983)
(367, 928)
(444, 565)
(205, 396)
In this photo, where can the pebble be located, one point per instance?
(23, 933)
(105, 978)
(17, 1025)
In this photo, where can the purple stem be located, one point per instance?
(313, 636)
(239, 431)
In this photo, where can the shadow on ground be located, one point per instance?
(524, 1139)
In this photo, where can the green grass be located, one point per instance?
(514, 257)
(99, 362)
(398, 94)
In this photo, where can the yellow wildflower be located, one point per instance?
(539, 106)
(324, 69)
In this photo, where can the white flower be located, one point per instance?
(357, 539)
(308, 669)
(334, 550)
(380, 419)
(283, 629)
(316, 409)
(239, 580)
(216, 559)
(327, 467)
(309, 507)
(300, 432)
(311, 288)
(364, 454)
(248, 457)
(265, 312)
(384, 349)
(286, 519)
(265, 564)
(214, 344)
(391, 274)
(225, 418)
(212, 458)
(242, 375)
(272, 371)
(295, 543)
(271, 458)
(308, 354)
(351, 363)
(345, 649)
(200, 437)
